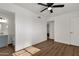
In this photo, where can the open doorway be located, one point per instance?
(50, 30)
(7, 33)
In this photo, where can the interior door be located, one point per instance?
(74, 32)
(51, 30)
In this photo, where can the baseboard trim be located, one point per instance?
(62, 42)
(29, 46)
(66, 44)
(73, 45)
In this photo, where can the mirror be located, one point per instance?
(3, 25)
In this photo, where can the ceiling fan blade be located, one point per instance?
(51, 11)
(49, 4)
(58, 6)
(42, 4)
(43, 9)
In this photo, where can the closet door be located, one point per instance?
(74, 32)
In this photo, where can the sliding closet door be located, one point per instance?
(74, 32)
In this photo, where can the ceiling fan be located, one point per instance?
(49, 6)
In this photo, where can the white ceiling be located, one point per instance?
(69, 7)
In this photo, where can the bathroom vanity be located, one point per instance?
(3, 40)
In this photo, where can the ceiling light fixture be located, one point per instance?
(3, 20)
(49, 8)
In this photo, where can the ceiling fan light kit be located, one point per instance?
(49, 8)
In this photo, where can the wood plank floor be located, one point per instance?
(49, 48)
(6, 51)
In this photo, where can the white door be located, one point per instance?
(74, 32)
(51, 30)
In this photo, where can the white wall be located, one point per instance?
(62, 26)
(39, 31)
(62, 29)
(11, 28)
(29, 29)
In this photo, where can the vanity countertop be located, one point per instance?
(3, 34)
